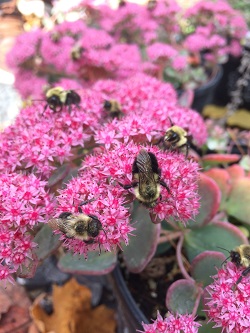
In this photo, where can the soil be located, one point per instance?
(149, 288)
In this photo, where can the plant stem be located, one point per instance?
(197, 301)
(167, 236)
(179, 259)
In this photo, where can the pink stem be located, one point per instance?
(179, 259)
(197, 301)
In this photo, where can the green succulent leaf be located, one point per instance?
(238, 203)
(210, 201)
(47, 242)
(58, 175)
(95, 264)
(181, 296)
(208, 328)
(28, 269)
(208, 238)
(143, 246)
(223, 180)
(204, 266)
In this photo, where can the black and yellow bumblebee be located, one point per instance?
(58, 97)
(76, 52)
(113, 108)
(78, 226)
(176, 138)
(147, 180)
(240, 256)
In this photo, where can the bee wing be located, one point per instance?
(60, 224)
(143, 162)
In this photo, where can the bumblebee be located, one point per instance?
(113, 107)
(78, 226)
(176, 138)
(58, 97)
(240, 256)
(76, 52)
(146, 179)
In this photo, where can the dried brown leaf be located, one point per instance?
(16, 318)
(72, 312)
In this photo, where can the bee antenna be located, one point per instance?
(171, 123)
(225, 260)
(222, 248)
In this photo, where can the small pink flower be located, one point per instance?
(172, 324)
(227, 302)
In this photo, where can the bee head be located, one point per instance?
(107, 105)
(235, 257)
(171, 136)
(94, 226)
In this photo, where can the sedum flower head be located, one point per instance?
(23, 204)
(107, 207)
(180, 174)
(39, 140)
(172, 324)
(228, 303)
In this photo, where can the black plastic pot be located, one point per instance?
(204, 95)
(227, 84)
(130, 316)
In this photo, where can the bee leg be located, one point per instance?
(45, 107)
(127, 187)
(244, 273)
(85, 202)
(159, 141)
(100, 251)
(165, 185)
(187, 149)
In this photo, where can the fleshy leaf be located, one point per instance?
(47, 242)
(95, 264)
(238, 204)
(245, 162)
(235, 171)
(204, 266)
(220, 158)
(223, 180)
(58, 175)
(28, 269)
(143, 246)
(211, 236)
(181, 296)
(208, 328)
(241, 118)
(210, 201)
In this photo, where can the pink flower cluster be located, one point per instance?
(23, 204)
(99, 179)
(172, 324)
(228, 303)
(39, 140)
(224, 27)
(120, 43)
(148, 105)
